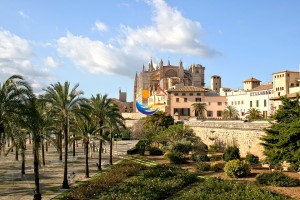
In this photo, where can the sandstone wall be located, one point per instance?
(136, 115)
(245, 135)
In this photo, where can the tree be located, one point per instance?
(282, 139)
(230, 112)
(254, 114)
(158, 120)
(103, 111)
(200, 109)
(12, 94)
(87, 130)
(63, 103)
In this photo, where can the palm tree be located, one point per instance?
(230, 112)
(64, 102)
(12, 94)
(200, 108)
(254, 114)
(103, 110)
(86, 131)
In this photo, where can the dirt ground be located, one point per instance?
(293, 192)
(13, 186)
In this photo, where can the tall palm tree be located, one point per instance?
(230, 112)
(200, 109)
(12, 94)
(64, 101)
(103, 110)
(87, 130)
(254, 114)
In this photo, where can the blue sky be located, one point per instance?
(101, 44)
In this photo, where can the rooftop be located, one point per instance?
(187, 89)
(263, 87)
(251, 80)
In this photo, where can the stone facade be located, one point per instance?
(246, 136)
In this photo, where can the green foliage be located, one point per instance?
(155, 151)
(125, 134)
(157, 182)
(200, 157)
(237, 168)
(159, 119)
(289, 111)
(230, 112)
(277, 179)
(216, 166)
(103, 181)
(203, 166)
(142, 145)
(217, 189)
(183, 147)
(252, 158)
(215, 157)
(176, 157)
(132, 151)
(231, 153)
(293, 168)
(282, 143)
(253, 114)
(200, 109)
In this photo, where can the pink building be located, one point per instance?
(181, 100)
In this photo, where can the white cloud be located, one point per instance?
(100, 26)
(16, 58)
(170, 33)
(22, 14)
(50, 62)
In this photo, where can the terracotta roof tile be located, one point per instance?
(263, 87)
(251, 80)
(187, 89)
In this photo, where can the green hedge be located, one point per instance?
(277, 179)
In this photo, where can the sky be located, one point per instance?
(102, 44)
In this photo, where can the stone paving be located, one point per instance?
(14, 186)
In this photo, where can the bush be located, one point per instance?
(277, 179)
(155, 151)
(142, 145)
(200, 157)
(176, 157)
(237, 168)
(215, 166)
(181, 147)
(293, 167)
(252, 158)
(203, 166)
(231, 153)
(215, 157)
(132, 151)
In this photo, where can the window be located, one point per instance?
(250, 104)
(175, 94)
(182, 111)
(219, 103)
(177, 99)
(219, 113)
(183, 94)
(257, 103)
(185, 99)
(191, 94)
(265, 103)
(198, 94)
(209, 103)
(198, 99)
(242, 102)
(209, 113)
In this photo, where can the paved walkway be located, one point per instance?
(14, 186)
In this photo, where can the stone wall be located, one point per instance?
(245, 135)
(136, 115)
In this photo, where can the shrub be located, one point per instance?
(203, 166)
(200, 148)
(155, 151)
(200, 157)
(132, 151)
(293, 167)
(252, 158)
(277, 179)
(215, 166)
(237, 168)
(142, 145)
(182, 147)
(176, 157)
(231, 153)
(215, 157)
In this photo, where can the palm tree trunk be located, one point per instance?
(17, 153)
(46, 146)
(23, 161)
(43, 152)
(100, 151)
(37, 194)
(60, 144)
(65, 184)
(87, 160)
(110, 148)
(74, 147)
